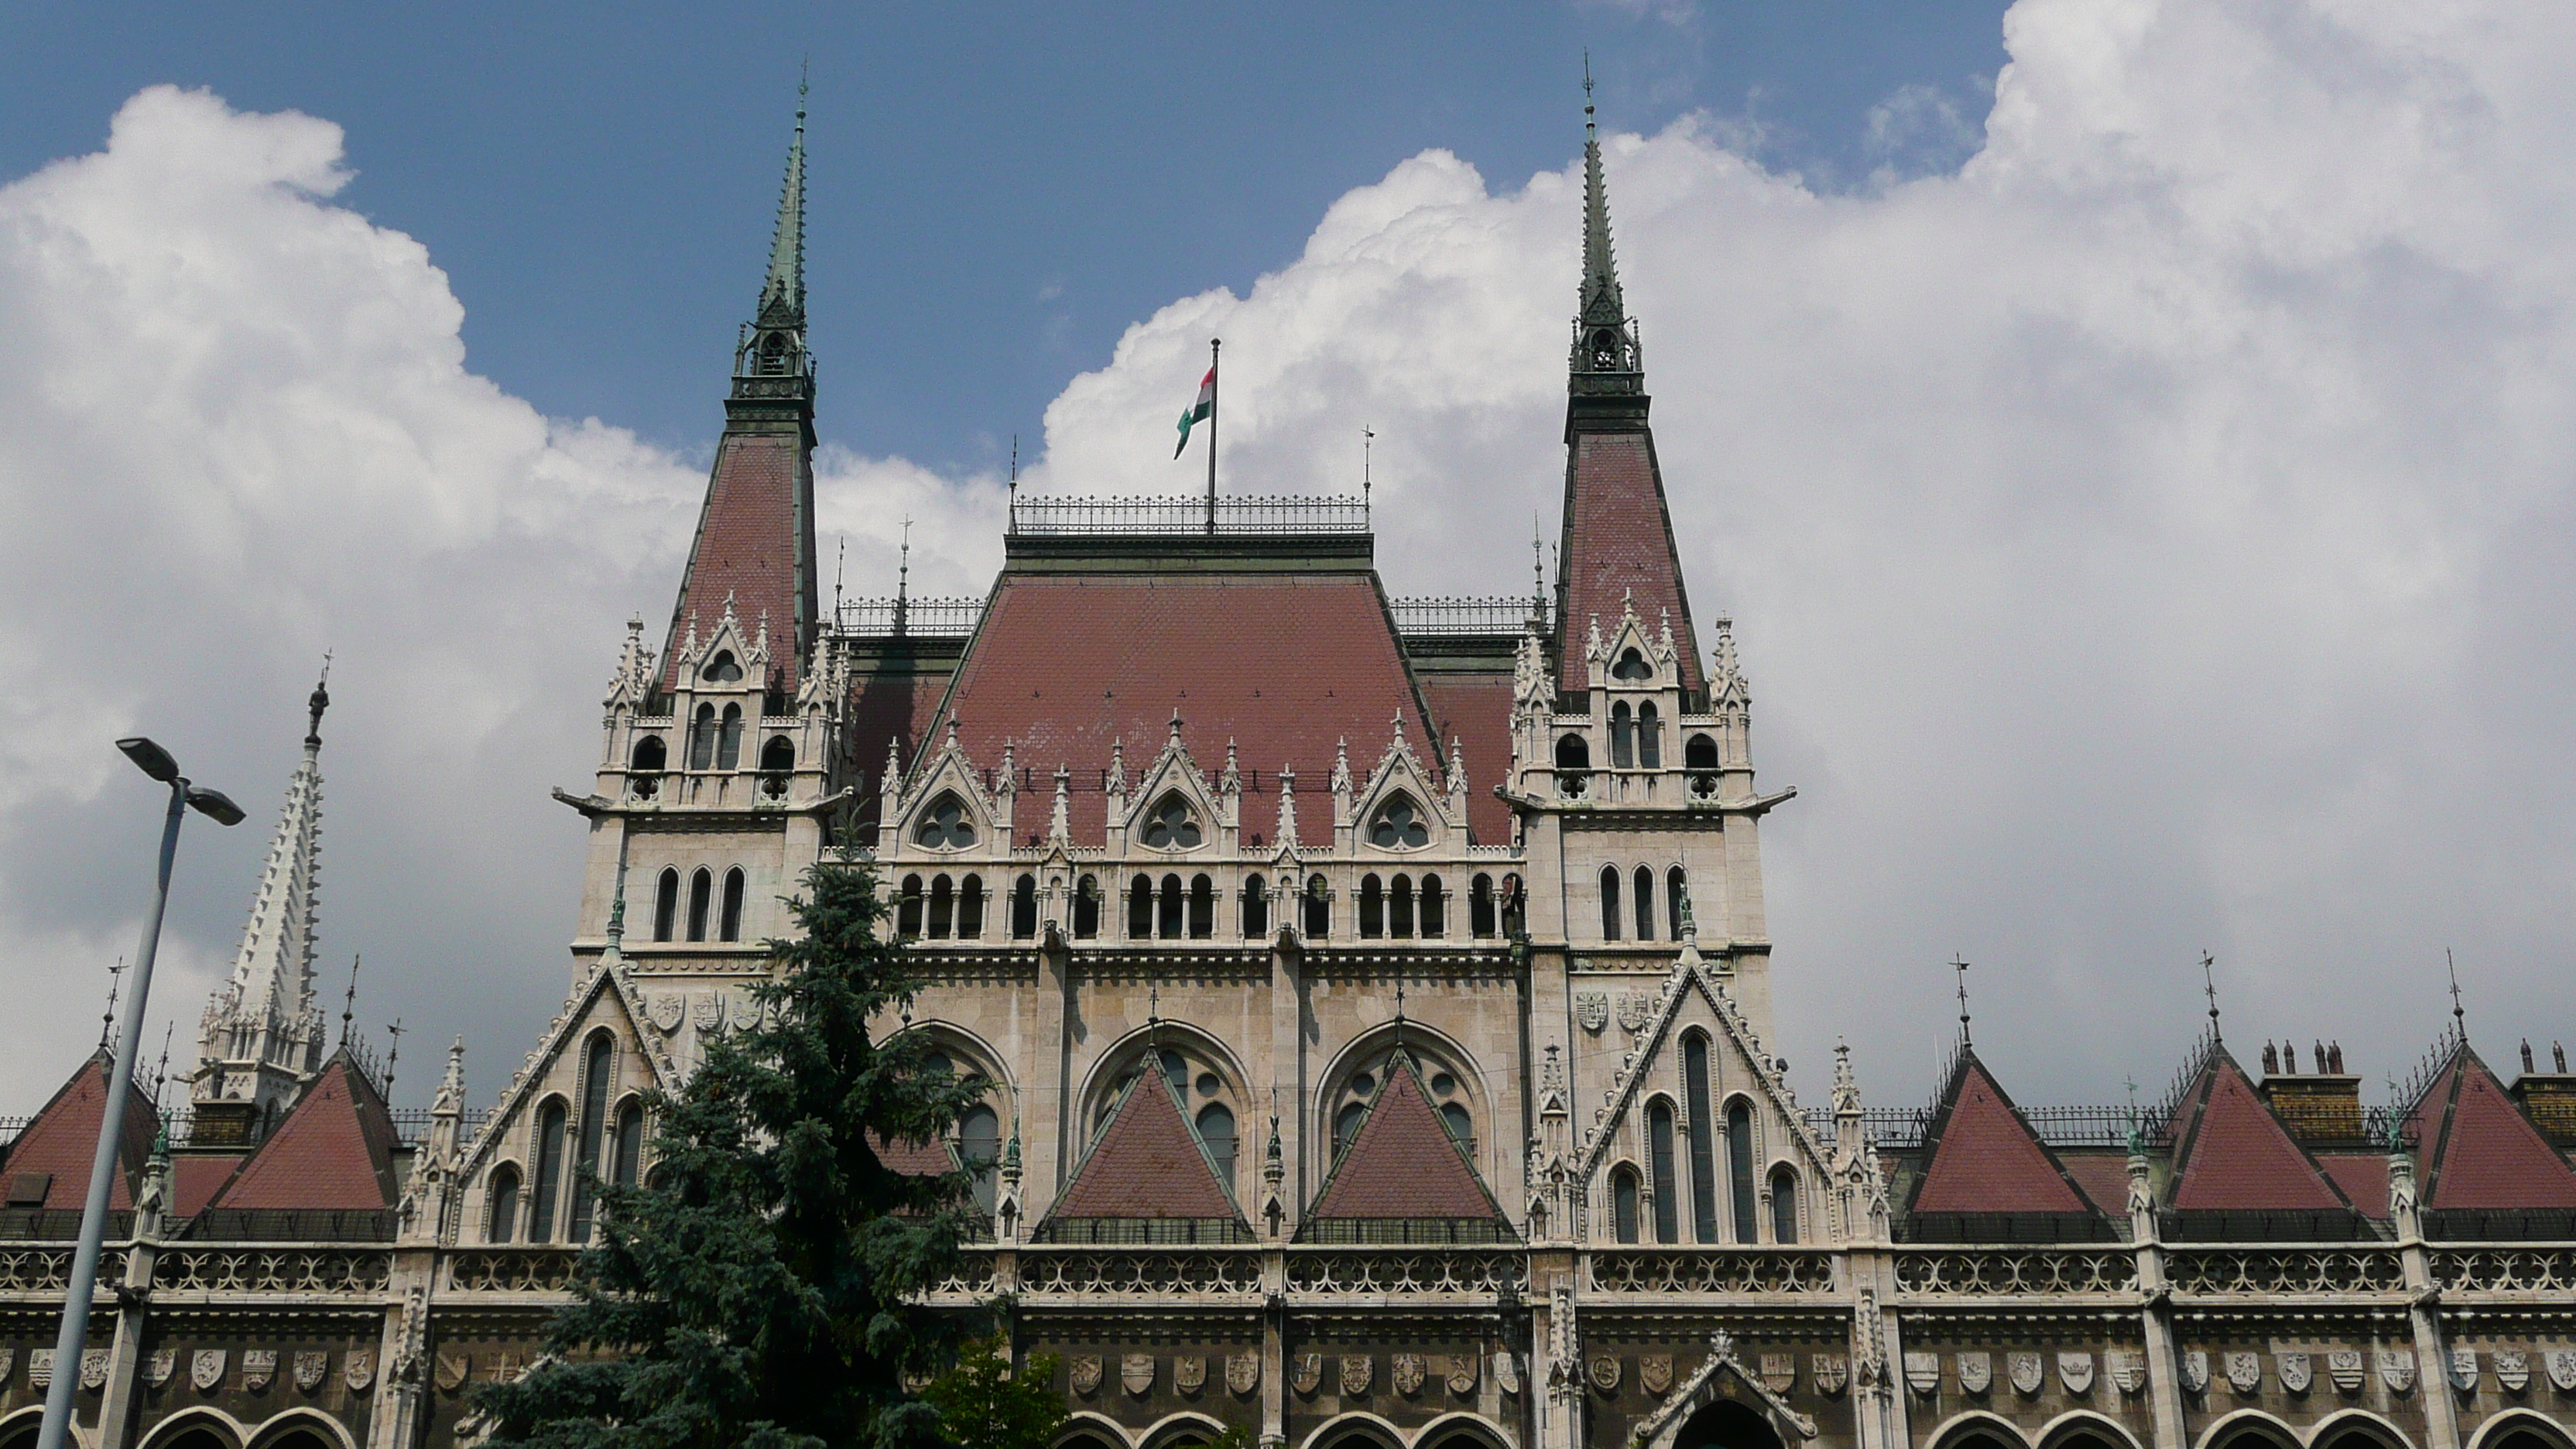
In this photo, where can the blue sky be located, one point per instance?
(997, 191)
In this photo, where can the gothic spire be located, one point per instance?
(785, 286)
(1601, 302)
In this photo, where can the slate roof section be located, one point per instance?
(1618, 541)
(333, 1151)
(2478, 1149)
(1984, 1159)
(1147, 1164)
(1476, 710)
(754, 543)
(196, 1177)
(62, 1140)
(1284, 665)
(2363, 1176)
(2103, 1178)
(2235, 1156)
(1403, 1163)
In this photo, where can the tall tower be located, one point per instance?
(260, 1039)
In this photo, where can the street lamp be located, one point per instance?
(154, 761)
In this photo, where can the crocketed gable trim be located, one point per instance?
(1403, 1163)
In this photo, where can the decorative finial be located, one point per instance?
(2459, 1016)
(349, 1004)
(393, 1051)
(320, 701)
(1368, 436)
(2209, 987)
(107, 1018)
(1959, 963)
(1587, 88)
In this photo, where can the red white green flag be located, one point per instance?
(1198, 412)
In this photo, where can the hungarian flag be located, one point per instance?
(1200, 411)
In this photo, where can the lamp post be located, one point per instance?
(154, 761)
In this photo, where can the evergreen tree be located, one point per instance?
(760, 1289)
(984, 1404)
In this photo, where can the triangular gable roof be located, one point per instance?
(1985, 1159)
(609, 976)
(62, 1140)
(2235, 1156)
(913, 1159)
(2479, 1150)
(1403, 1163)
(333, 1151)
(1147, 1163)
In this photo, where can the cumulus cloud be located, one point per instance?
(2149, 536)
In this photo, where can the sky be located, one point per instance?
(2133, 438)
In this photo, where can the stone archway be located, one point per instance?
(1727, 1424)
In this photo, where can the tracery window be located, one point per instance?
(729, 918)
(666, 905)
(1610, 903)
(702, 888)
(1480, 907)
(1171, 826)
(1645, 904)
(1659, 1169)
(1703, 1139)
(946, 825)
(723, 669)
(1739, 1164)
(1632, 668)
(1784, 1204)
(1256, 908)
(1623, 753)
(1399, 826)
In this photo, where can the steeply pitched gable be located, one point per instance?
(2480, 1153)
(2235, 1156)
(1148, 1166)
(1985, 1159)
(334, 1151)
(1402, 1164)
(62, 1141)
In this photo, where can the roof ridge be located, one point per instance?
(2219, 1063)
(1123, 1136)
(1942, 1147)
(1387, 1110)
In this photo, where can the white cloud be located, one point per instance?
(2151, 536)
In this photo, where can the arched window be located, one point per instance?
(970, 909)
(907, 911)
(651, 757)
(1256, 908)
(1372, 908)
(1700, 753)
(979, 1145)
(1623, 1205)
(702, 738)
(501, 1220)
(1171, 826)
(598, 1065)
(1659, 1166)
(1024, 907)
(723, 669)
(1399, 825)
(630, 1143)
(943, 906)
(1784, 1204)
(730, 922)
(1703, 1139)
(1319, 908)
(1167, 914)
(1086, 908)
(702, 890)
(1676, 899)
(666, 905)
(1202, 908)
(1515, 909)
(729, 739)
(1573, 752)
(1346, 1126)
(1399, 914)
(779, 755)
(1632, 668)
(1609, 903)
(946, 825)
(1739, 1167)
(1645, 904)
(1140, 909)
(1462, 1128)
(1216, 1129)
(1480, 907)
(550, 1170)
(1650, 737)
(1435, 909)
(1623, 751)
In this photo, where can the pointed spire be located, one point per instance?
(785, 285)
(264, 1024)
(1601, 299)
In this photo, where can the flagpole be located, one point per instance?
(1214, 343)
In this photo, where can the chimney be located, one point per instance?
(2550, 1098)
(2319, 1107)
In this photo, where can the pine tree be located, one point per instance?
(761, 1290)
(984, 1404)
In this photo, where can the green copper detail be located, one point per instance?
(785, 286)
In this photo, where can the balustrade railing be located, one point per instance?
(1116, 1272)
(2549, 1268)
(272, 1270)
(2272, 1272)
(511, 1270)
(1466, 617)
(1178, 516)
(38, 1270)
(910, 618)
(1711, 1270)
(1989, 1273)
(1401, 1272)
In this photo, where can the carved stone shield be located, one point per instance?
(1592, 1010)
(8, 1364)
(40, 1368)
(259, 1368)
(1507, 1373)
(2397, 1369)
(2513, 1369)
(1408, 1374)
(1308, 1375)
(2027, 1372)
(2128, 1369)
(2561, 1363)
(1655, 1373)
(358, 1370)
(310, 1369)
(1922, 1372)
(1189, 1373)
(453, 1368)
(1136, 1373)
(667, 1011)
(1780, 1371)
(157, 1371)
(1243, 1371)
(1086, 1375)
(1357, 1370)
(1636, 1008)
(2343, 1365)
(2295, 1370)
(2075, 1370)
(2195, 1371)
(1976, 1372)
(1604, 1372)
(1462, 1373)
(2464, 1369)
(206, 1368)
(2244, 1371)
(1832, 1372)
(709, 1013)
(93, 1368)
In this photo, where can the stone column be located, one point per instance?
(2423, 1307)
(1274, 1347)
(125, 1354)
(1042, 1126)
(2155, 1314)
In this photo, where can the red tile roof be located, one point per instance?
(1476, 710)
(1403, 1163)
(1986, 1160)
(63, 1140)
(913, 1159)
(334, 1150)
(2237, 1157)
(1285, 665)
(1147, 1164)
(2479, 1150)
(2363, 1176)
(2103, 1177)
(750, 542)
(1619, 539)
(195, 1178)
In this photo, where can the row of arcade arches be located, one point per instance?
(203, 1427)
(2243, 1429)
(1187, 1430)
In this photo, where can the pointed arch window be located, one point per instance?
(1703, 1139)
(1573, 752)
(1515, 909)
(1399, 908)
(1645, 904)
(501, 1219)
(907, 911)
(970, 908)
(598, 1067)
(1676, 899)
(1318, 897)
(1024, 907)
(1140, 908)
(729, 922)
(630, 1143)
(943, 906)
(702, 738)
(1700, 753)
(1784, 1204)
(1086, 909)
(1202, 908)
(1623, 749)
(1623, 1204)
(946, 825)
(1659, 1167)
(652, 757)
(1480, 907)
(1739, 1165)
(1610, 903)
(1169, 908)
(1650, 738)
(979, 1143)
(550, 1170)
(1399, 826)
(1435, 908)
(1256, 908)
(1372, 908)
(702, 890)
(1346, 1126)
(666, 904)
(1216, 1129)
(729, 739)
(1172, 826)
